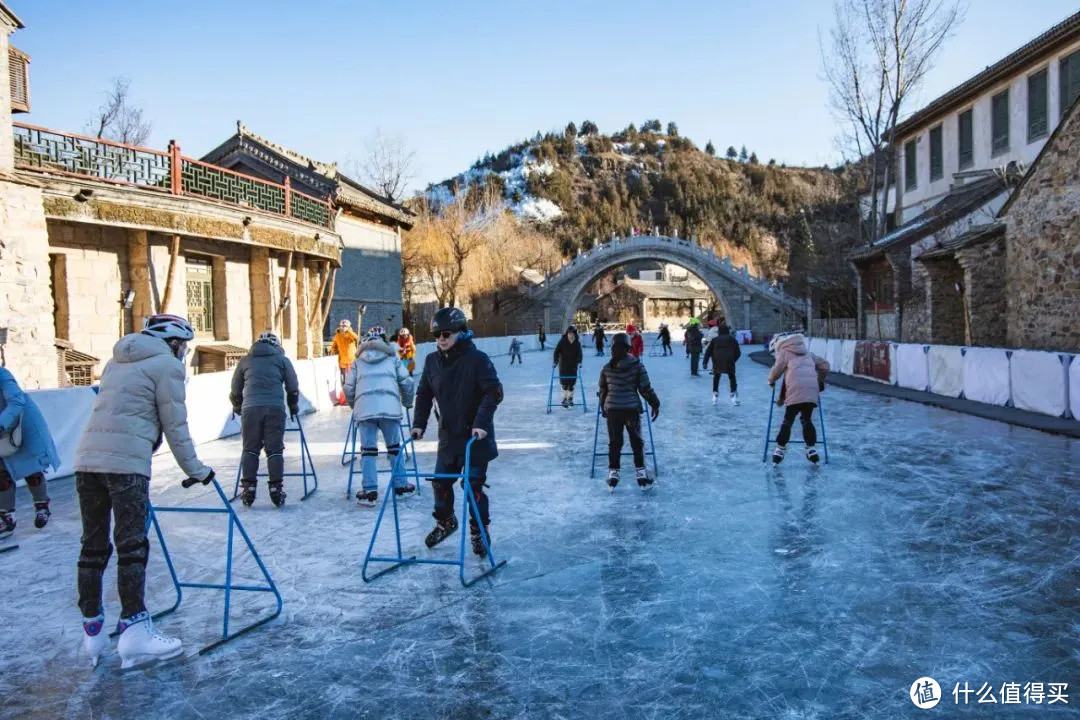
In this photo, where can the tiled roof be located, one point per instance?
(974, 236)
(961, 200)
(665, 290)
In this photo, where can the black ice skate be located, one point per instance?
(247, 492)
(7, 524)
(367, 498)
(277, 494)
(406, 490)
(41, 514)
(478, 547)
(443, 530)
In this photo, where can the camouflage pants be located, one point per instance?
(125, 499)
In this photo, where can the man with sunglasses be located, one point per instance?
(462, 379)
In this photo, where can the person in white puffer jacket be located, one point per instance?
(141, 400)
(376, 386)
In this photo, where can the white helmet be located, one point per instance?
(345, 324)
(168, 327)
(774, 341)
(270, 339)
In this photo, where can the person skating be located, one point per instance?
(407, 349)
(541, 335)
(257, 398)
(622, 379)
(29, 459)
(140, 400)
(723, 350)
(804, 376)
(344, 346)
(637, 343)
(568, 357)
(665, 339)
(376, 388)
(599, 338)
(693, 344)
(463, 381)
(515, 351)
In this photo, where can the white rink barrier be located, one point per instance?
(66, 412)
(1040, 381)
(1034, 380)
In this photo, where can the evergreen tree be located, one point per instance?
(743, 155)
(710, 149)
(571, 130)
(732, 153)
(589, 128)
(753, 158)
(651, 126)
(672, 129)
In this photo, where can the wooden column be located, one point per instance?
(303, 296)
(138, 247)
(259, 283)
(174, 252)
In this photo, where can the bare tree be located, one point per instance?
(879, 52)
(117, 119)
(387, 165)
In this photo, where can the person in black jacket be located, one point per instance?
(541, 336)
(567, 358)
(598, 339)
(723, 351)
(665, 339)
(621, 381)
(462, 379)
(693, 344)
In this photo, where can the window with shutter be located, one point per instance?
(1070, 81)
(910, 176)
(19, 79)
(967, 140)
(937, 165)
(999, 123)
(1038, 110)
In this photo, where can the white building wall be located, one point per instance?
(915, 201)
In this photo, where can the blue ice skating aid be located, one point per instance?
(406, 427)
(307, 465)
(402, 458)
(650, 451)
(551, 388)
(228, 586)
(768, 429)
(468, 505)
(8, 548)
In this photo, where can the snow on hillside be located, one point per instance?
(516, 181)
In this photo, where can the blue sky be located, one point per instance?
(459, 79)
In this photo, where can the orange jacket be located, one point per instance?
(406, 347)
(344, 346)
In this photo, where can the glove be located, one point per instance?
(236, 411)
(655, 412)
(603, 412)
(188, 482)
(293, 411)
(416, 433)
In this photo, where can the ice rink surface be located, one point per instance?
(934, 544)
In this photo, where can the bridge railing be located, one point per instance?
(51, 151)
(707, 254)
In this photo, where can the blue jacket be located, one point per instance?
(38, 452)
(464, 383)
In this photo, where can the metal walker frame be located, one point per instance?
(468, 505)
(768, 428)
(650, 451)
(228, 586)
(307, 466)
(551, 389)
(402, 458)
(406, 428)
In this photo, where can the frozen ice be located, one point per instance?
(934, 544)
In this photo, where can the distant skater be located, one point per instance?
(622, 379)
(804, 378)
(515, 351)
(567, 358)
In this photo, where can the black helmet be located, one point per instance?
(450, 318)
(620, 339)
(571, 329)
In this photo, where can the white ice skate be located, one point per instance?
(94, 640)
(812, 454)
(643, 480)
(735, 399)
(612, 480)
(140, 644)
(778, 454)
(715, 398)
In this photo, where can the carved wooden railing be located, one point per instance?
(52, 151)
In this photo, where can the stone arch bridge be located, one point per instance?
(748, 303)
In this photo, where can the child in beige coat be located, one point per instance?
(804, 378)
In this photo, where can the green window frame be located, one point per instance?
(966, 139)
(911, 175)
(999, 123)
(937, 158)
(1069, 80)
(1038, 105)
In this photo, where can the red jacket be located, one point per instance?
(637, 345)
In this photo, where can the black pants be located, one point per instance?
(694, 357)
(569, 384)
(126, 498)
(444, 489)
(805, 411)
(515, 354)
(617, 420)
(667, 347)
(731, 379)
(263, 428)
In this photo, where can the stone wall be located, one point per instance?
(1042, 247)
(26, 307)
(944, 302)
(984, 283)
